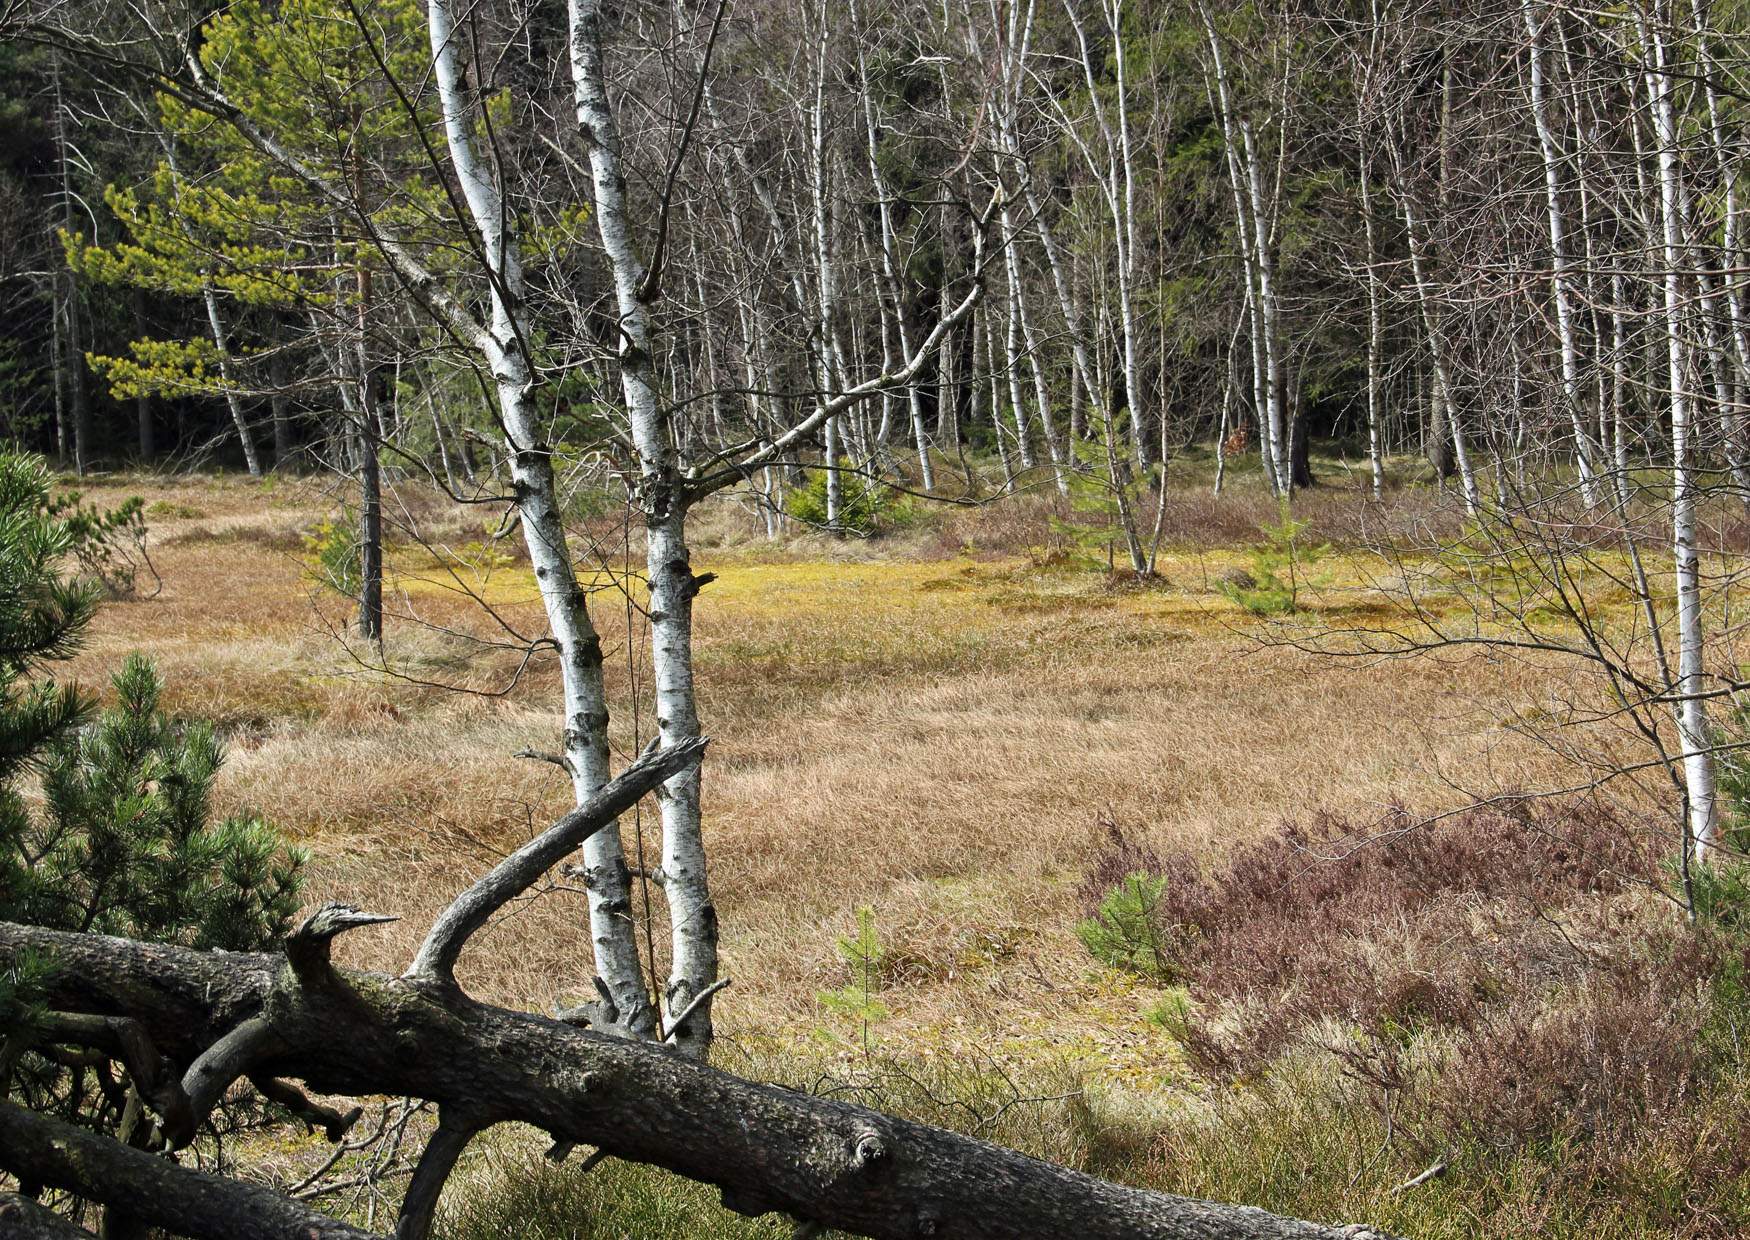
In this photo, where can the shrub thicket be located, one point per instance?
(1503, 980)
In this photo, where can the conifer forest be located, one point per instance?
(983, 619)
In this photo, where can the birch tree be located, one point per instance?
(1690, 704)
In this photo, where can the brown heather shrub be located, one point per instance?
(1120, 857)
(1595, 1065)
(1499, 977)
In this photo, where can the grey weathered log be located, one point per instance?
(767, 1148)
(24, 1219)
(175, 1198)
(436, 959)
(221, 1065)
(436, 1161)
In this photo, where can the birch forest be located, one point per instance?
(893, 618)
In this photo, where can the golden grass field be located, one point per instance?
(931, 731)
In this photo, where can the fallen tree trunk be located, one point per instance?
(217, 1017)
(48, 1151)
(23, 1219)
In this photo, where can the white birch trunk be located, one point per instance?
(1375, 338)
(215, 328)
(233, 401)
(1253, 236)
(1731, 255)
(617, 959)
(663, 496)
(1694, 733)
(1012, 359)
(1532, 12)
(1437, 354)
(826, 279)
(890, 266)
(1113, 192)
(1126, 229)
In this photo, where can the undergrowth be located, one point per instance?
(1505, 998)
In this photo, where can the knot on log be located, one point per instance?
(866, 1147)
(694, 583)
(600, 1015)
(308, 946)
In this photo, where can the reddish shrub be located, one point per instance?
(1568, 1008)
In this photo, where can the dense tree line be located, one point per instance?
(1439, 226)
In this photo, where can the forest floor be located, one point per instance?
(940, 726)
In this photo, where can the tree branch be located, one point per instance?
(436, 959)
(225, 1062)
(189, 1203)
(435, 1164)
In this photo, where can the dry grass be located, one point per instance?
(935, 737)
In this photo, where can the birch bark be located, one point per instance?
(1253, 236)
(1534, 16)
(503, 344)
(1443, 397)
(664, 499)
(890, 265)
(1694, 732)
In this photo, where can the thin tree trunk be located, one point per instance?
(1534, 16)
(1442, 396)
(369, 435)
(826, 278)
(1012, 360)
(227, 375)
(1115, 192)
(147, 441)
(664, 500)
(1253, 236)
(1731, 256)
(1375, 337)
(73, 347)
(221, 345)
(1694, 731)
(607, 880)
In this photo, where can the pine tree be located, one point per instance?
(42, 616)
(120, 840)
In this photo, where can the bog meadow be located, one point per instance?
(851, 617)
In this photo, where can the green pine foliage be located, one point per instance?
(1122, 933)
(1732, 778)
(869, 507)
(862, 955)
(42, 617)
(1091, 533)
(124, 844)
(105, 821)
(215, 214)
(333, 555)
(108, 545)
(1281, 567)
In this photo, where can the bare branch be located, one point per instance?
(436, 959)
(419, 1206)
